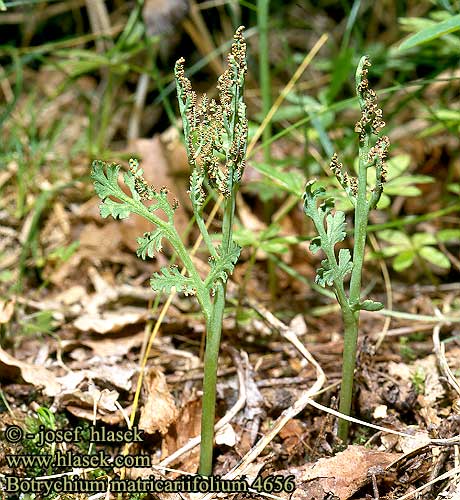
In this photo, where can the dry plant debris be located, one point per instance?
(72, 336)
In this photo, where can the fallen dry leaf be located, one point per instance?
(72, 295)
(341, 475)
(226, 435)
(111, 321)
(113, 376)
(159, 410)
(187, 426)
(175, 153)
(291, 434)
(101, 241)
(104, 399)
(38, 376)
(420, 438)
(81, 403)
(433, 388)
(118, 347)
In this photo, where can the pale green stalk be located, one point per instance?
(205, 128)
(331, 230)
(212, 131)
(351, 319)
(211, 356)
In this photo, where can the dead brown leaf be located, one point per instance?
(175, 153)
(291, 434)
(187, 426)
(118, 347)
(341, 475)
(81, 403)
(111, 321)
(159, 410)
(38, 376)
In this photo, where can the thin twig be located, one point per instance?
(446, 475)
(440, 352)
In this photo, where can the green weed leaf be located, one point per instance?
(115, 209)
(331, 272)
(336, 227)
(368, 305)
(315, 244)
(403, 260)
(310, 197)
(345, 263)
(324, 274)
(395, 237)
(169, 278)
(105, 178)
(150, 243)
(163, 204)
(448, 235)
(423, 239)
(130, 181)
(289, 181)
(435, 256)
(222, 266)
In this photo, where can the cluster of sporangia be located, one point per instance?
(143, 189)
(216, 133)
(370, 122)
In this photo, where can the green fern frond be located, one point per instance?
(171, 277)
(150, 243)
(222, 266)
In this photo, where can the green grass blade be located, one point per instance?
(431, 33)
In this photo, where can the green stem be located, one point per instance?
(204, 231)
(351, 323)
(211, 356)
(351, 319)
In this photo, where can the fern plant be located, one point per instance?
(216, 140)
(330, 226)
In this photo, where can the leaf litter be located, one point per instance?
(100, 306)
(94, 391)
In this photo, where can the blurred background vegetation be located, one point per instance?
(89, 79)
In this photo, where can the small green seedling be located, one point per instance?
(216, 140)
(330, 226)
(420, 247)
